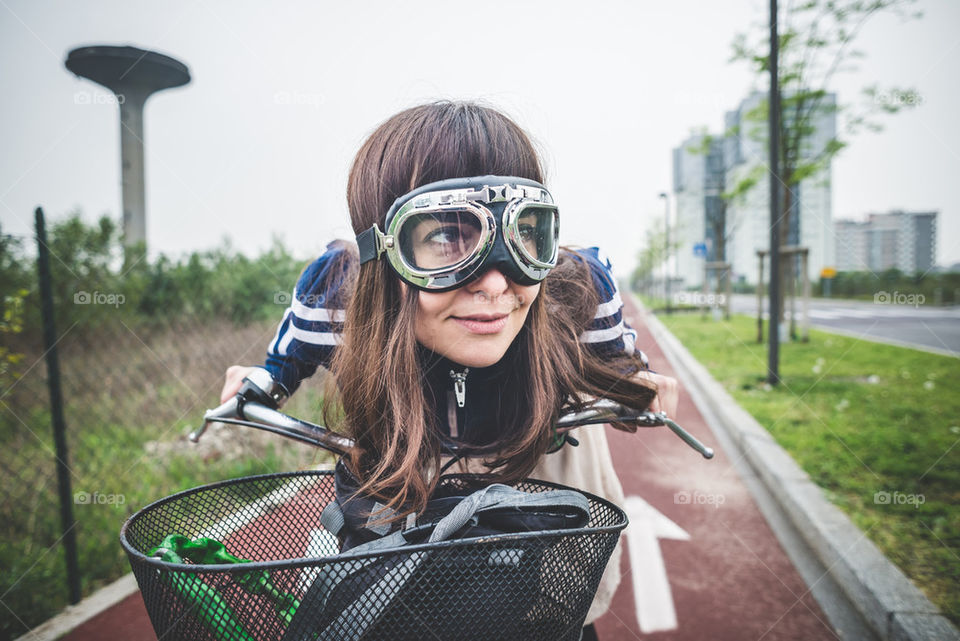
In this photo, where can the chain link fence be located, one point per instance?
(132, 390)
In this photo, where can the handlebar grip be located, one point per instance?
(689, 438)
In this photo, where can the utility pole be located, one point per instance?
(773, 352)
(666, 215)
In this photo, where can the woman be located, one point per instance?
(457, 318)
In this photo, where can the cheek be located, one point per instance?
(432, 304)
(430, 309)
(526, 295)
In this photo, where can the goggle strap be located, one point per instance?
(371, 244)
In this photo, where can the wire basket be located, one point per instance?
(525, 586)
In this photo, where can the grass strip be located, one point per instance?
(876, 426)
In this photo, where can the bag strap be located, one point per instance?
(332, 518)
(499, 496)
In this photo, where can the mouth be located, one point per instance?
(482, 323)
(483, 318)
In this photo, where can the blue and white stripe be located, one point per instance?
(310, 329)
(608, 332)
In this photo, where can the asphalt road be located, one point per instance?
(891, 319)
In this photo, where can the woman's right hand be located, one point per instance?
(233, 380)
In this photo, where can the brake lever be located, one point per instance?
(607, 411)
(227, 410)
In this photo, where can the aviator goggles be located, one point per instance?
(443, 234)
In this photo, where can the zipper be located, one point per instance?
(460, 385)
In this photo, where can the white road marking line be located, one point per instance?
(651, 589)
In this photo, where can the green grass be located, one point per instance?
(859, 418)
(130, 401)
(114, 464)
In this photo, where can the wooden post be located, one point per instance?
(792, 292)
(760, 299)
(705, 290)
(805, 331)
(729, 290)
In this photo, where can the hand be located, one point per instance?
(668, 393)
(233, 380)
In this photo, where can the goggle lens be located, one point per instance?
(439, 239)
(537, 231)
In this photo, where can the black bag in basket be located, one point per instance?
(393, 593)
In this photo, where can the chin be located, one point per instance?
(478, 359)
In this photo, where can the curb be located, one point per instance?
(888, 601)
(73, 616)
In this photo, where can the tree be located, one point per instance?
(653, 256)
(815, 44)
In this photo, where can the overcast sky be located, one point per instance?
(283, 93)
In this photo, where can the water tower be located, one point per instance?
(133, 75)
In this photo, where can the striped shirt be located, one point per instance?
(311, 327)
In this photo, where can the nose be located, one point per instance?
(491, 282)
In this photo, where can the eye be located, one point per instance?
(445, 235)
(527, 232)
(439, 240)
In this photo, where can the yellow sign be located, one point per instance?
(828, 272)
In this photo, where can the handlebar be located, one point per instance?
(249, 408)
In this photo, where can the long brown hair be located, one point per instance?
(377, 371)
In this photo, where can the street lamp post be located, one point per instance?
(666, 276)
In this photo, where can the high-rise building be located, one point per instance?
(703, 172)
(698, 174)
(895, 240)
(852, 245)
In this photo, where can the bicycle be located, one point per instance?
(285, 578)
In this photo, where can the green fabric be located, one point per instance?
(210, 607)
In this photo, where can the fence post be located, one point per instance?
(56, 411)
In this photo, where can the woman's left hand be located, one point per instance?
(668, 393)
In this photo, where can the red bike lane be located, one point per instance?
(700, 561)
(698, 524)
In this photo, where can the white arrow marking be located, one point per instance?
(651, 590)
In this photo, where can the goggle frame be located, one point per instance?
(518, 198)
